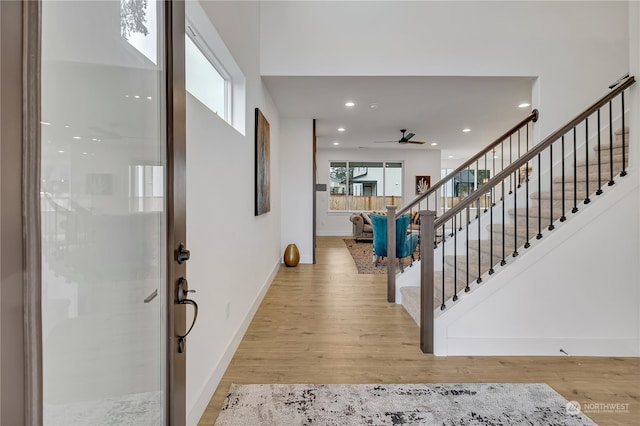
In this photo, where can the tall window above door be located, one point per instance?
(364, 185)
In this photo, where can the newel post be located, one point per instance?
(427, 238)
(391, 254)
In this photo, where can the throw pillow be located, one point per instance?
(366, 218)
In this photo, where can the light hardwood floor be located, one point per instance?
(325, 323)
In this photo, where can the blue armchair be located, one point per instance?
(405, 244)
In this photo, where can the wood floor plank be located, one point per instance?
(326, 323)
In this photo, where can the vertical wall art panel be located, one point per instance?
(262, 190)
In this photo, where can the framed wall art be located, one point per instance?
(422, 184)
(262, 159)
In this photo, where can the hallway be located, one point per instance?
(325, 323)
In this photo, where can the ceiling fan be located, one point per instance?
(404, 139)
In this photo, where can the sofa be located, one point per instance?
(362, 229)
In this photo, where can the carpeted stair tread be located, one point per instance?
(592, 176)
(605, 143)
(569, 194)
(605, 159)
(534, 212)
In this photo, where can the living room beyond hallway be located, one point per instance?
(326, 323)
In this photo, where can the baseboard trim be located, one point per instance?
(197, 410)
(542, 347)
(334, 233)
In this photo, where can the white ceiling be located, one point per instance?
(436, 109)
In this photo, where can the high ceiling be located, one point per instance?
(436, 109)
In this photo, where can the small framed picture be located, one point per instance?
(422, 184)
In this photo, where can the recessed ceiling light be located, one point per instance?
(373, 106)
(85, 153)
(451, 156)
(44, 123)
(149, 97)
(467, 130)
(77, 137)
(349, 104)
(336, 143)
(434, 143)
(95, 140)
(524, 105)
(61, 151)
(66, 126)
(137, 96)
(341, 129)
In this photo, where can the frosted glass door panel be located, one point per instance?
(103, 213)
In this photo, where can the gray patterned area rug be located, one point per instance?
(408, 404)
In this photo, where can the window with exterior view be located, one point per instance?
(364, 185)
(204, 80)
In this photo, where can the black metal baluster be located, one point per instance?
(587, 200)
(526, 201)
(551, 226)
(482, 183)
(599, 191)
(624, 168)
(503, 261)
(564, 209)
(493, 171)
(443, 306)
(611, 181)
(575, 173)
(455, 260)
(501, 164)
(510, 162)
(515, 224)
(539, 197)
(519, 142)
(420, 229)
(466, 288)
(479, 280)
(490, 238)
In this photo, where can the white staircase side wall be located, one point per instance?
(577, 289)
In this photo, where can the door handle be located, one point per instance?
(183, 292)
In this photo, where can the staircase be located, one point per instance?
(487, 255)
(498, 222)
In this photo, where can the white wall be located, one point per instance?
(416, 163)
(296, 183)
(575, 48)
(234, 253)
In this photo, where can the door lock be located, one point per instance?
(183, 254)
